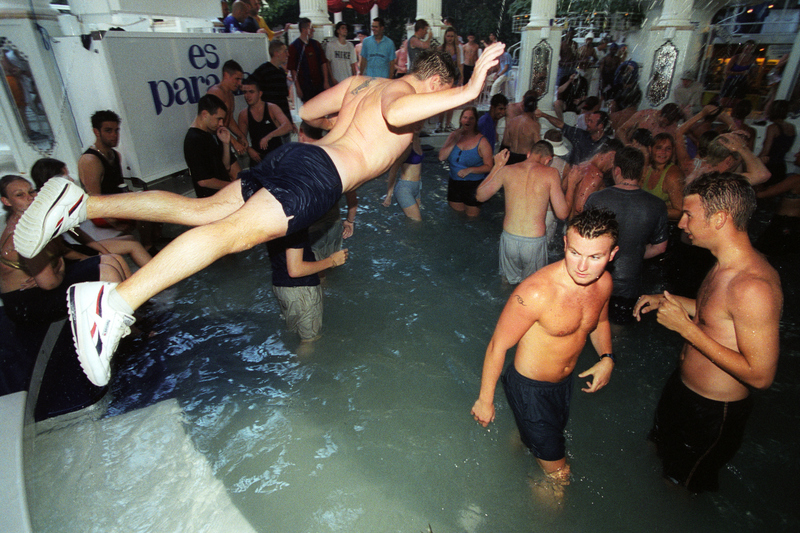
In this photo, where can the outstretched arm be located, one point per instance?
(757, 172)
(494, 181)
(328, 102)
(298, 268)
(518, 316)
(404, 109)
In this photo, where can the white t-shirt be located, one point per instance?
(340, 56)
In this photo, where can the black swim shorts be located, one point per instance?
(695, 437)
(302, 177)
(541, 410)
(463, 192)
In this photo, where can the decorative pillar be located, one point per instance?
(317, 11)
(431, 11)
(790, 71)
(540, 38)
(668, 51)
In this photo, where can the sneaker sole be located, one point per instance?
(29, 235)
(92, 365)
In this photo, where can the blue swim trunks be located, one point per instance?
(541, 410)
(302, 177)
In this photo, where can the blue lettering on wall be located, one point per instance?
(182, 91)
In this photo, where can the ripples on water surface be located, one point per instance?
(218, 419)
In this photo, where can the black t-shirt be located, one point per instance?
(203, 154)
(277, 257)
(642, 220)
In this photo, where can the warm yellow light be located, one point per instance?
(749, 10)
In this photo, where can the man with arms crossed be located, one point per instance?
(530, 187)
(731, 333)
(548, 318)
(294, 186)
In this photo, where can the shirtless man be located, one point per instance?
(548, 318)
(731, 333)
(287, 191)
(471, 50)
(530, 187)
(263, 121)
(587, 178)
(521, 133)
(232, 76)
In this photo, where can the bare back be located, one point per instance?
(361, 144)
(227, 98)
(549, 350)
(521, 133)
(528, 187)
(582, 181)
(724, 301)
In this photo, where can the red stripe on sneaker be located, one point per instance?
(76, 206)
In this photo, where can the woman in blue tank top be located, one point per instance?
(469, 157)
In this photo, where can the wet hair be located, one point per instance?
(44, 169)
(231, 67)
(419, 24)
(542, 148)
(554, 135)
(274, 46)
(498, 99)
(663, 136)
(312, 132)
(630, 162)
(594, 222)
(529, 104)
(742, 109)
(605, 120)
(704, 140)
(727, 192)
(252, 80)
(590, 103)
(339, 25)
(104, 116)
(672, 113)
(210, 103)
(717, 152)
(610, 145)
(5, 181)
(642, 136)
(431, 63)
(303, 23)
(779, 110)
(474, 112)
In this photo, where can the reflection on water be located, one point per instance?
(371, 432)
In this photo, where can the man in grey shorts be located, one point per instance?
(530, 186)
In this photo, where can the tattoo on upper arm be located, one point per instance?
(520, 301)
(362, 86)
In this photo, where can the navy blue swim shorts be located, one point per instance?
(302, 177)
(541, 410)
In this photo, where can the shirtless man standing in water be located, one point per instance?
(290, 189)
(731, 333)
(548, 318)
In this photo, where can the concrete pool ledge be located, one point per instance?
(14, 517)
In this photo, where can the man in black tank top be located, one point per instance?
(100, 167)
(264, 122)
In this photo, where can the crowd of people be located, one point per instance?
(657, 183)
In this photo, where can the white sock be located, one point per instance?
(118, 302)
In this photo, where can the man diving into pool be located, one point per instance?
(548, 318)
(731, 333)
(290, 189)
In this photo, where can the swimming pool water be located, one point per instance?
(217, 423)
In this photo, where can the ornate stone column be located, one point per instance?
(431, 11)
(670, 49)
(541, 43)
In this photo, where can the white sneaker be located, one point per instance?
(59, 207)
(96, 328)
